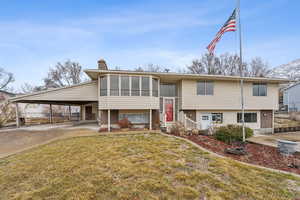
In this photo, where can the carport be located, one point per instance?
(84, 95)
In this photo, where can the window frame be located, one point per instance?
(239, 117)
(103, 91)
(146, 91)
(258, 85)
(124, 91)
(217, 121)
(206, 93)
(141, 115)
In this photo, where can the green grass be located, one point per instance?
(148, 166)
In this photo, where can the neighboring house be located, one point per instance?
(154, 99)
(291, 97)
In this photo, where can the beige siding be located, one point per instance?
(128, 102)
(83, 92)
(230, 117)
(227, 97)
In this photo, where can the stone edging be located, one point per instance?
(220, 156)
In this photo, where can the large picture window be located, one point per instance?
(125, 86)
(135, 118)
(103, 86)
(259, 89)
(205, 88)
(114, 85)
(135, 86)
(145, 86)
(249, 117)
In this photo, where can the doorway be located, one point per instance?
(88, 113)
(169, 109)
(205, 120)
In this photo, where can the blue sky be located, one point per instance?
(34, 35)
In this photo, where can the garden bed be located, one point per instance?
(257, 154)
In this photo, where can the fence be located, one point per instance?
(286, 129)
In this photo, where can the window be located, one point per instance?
(259, 89)
(145, 86)
(135, 86)
(124, 85)
(249, 117)
(114, 85)
(168, 90)
(103, 86)
(217, 118)
(155, 87)
(135, 118)
(205, 88)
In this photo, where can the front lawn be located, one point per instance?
(147, 166)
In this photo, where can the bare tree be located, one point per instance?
(64, 74)
(5, 79)
(259, 68)
(28, 88)
(151, 68)
(227, 64)
(7, 113)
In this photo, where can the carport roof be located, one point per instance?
(72, 95)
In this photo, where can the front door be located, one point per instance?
(169, 109)
(205, 120)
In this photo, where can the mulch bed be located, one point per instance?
(257, 154)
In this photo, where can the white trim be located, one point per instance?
(108, 84)
(108, 120)
(130, 85)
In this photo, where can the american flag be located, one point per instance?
(230, 25)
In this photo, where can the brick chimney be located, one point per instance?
(102, 64)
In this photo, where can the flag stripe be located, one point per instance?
(229, 26)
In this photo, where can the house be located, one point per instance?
(154, 99)
(291, 97)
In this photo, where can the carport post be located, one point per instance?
(51, 117)
(150, 120)
(108, 120)
(70, 114)
(17, 116)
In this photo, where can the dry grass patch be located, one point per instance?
(148, 166)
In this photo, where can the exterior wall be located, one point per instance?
(227, 97)
(291, 98)
(128, 102)
(230, 117)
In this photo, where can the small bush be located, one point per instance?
(177, 129)
(124, 123)
(232, 133)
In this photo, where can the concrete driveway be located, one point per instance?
(16, 140)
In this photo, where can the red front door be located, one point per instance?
(169, 110)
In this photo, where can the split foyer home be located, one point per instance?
(155, 99)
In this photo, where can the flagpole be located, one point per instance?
(241, 70)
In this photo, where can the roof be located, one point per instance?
(8, 93)
(71, 94)
(93, 74)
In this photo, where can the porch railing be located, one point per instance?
(190, 124)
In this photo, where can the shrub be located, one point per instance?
(124, 123)
(232, 133)
(177, 129)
